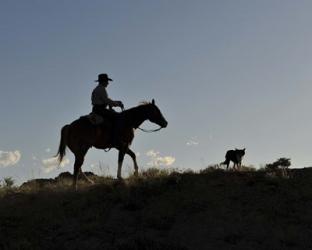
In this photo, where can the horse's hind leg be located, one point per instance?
(133, 156)
(77, 165)
(79, 159)
(85, 177)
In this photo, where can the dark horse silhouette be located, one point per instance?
(81, 135)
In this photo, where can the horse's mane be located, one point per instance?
(140, 105)
(143, 103)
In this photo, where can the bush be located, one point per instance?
(8, 182)
(211, 168)
(281, 163)
(249, 168)
(155, 172)
(279, 167)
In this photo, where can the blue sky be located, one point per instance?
(225, 74)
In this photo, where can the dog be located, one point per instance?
(236, 156)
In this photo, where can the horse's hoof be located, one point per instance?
(120, 181)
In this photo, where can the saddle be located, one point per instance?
(95, 119)
(98, 119)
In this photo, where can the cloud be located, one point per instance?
(192, 142)
(157, 160)
(9, 158)
(52, 163)
(152, 153)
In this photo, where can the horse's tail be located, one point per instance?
(63, 143)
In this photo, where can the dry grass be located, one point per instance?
(162, 210)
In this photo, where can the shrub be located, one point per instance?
(249, 168)
(211, 168)
(156, 172)
(188, 171)
(281, 163)
(279, 167)
(8, 182)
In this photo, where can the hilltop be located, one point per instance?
(208, 210)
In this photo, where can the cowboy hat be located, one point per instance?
(103, 78)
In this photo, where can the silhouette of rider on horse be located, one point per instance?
(100, 99)
(103, 105)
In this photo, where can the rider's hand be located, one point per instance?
(120, 104)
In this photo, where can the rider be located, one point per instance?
(101, 101)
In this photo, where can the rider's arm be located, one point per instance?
(109, 101)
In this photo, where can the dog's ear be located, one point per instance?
(244, 149)
(153, 102)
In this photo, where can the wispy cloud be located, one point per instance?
(52, 163)
(156, 160)
(9, 158)
(192, 142)
(152, 153)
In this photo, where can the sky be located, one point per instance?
(225, 74)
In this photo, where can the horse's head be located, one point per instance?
(155, 116)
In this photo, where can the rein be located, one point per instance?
(150, 130)
(144, 130)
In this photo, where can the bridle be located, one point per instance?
(142, 129)
(150, 130)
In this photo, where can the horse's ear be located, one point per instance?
(153, 102)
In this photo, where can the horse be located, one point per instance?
(81, 135)
(236, 156)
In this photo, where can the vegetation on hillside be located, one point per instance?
(213, 209)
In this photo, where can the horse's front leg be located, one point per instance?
(121, 156)
(133, 156)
